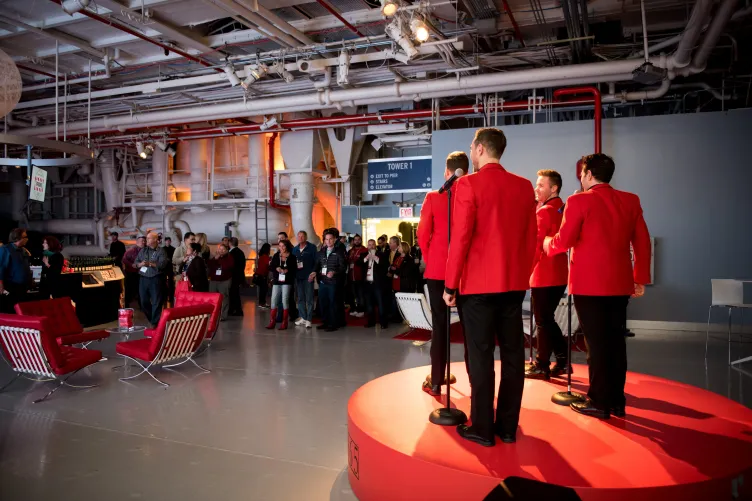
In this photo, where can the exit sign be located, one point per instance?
(406, 212)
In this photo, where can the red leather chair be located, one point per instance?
(190, 298)
(63, 322)
(178, 336)
(33, 351)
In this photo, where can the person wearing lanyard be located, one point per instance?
(330, 264)
(355, 274)
(374, 265)
(395, 263)
(151, 263)
(305, 256)
(284, 266)
(221, 267)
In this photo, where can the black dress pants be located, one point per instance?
(488, 317)
(550, 337)
(439, 331)
(602, 319)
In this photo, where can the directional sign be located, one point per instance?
(399, 175)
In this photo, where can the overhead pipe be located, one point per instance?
(325, 4)
(270, 153)
(102, 76)
(715, 29)
(261, 24)
(682, 55)
(270, 16)
(126, 29)
(593, 91)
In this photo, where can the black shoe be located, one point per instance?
(433, 390)
(468, 433)
(507, 438)
(384, 326)
(586, 408)
(537, 372)
(619, 412)
(628, 333)
(561, 368)
(452, 379)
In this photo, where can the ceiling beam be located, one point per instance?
(56, 35)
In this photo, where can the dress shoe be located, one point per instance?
(586, 408)
(619, 412)
(452, 379)
(537, 372)
(629, 333)
(433, 390)
(468, 433)
(561, 368)
(507, 438)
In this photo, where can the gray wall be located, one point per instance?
(692, 173)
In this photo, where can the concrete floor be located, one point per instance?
(268, 423)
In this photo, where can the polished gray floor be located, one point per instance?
(268, 423)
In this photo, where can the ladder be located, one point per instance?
(262, 228)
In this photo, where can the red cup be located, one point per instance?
(125, 318)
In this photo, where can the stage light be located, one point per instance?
(170, 149)
(255, 74)
(389, 7)
(231, 76)
(140, 149)
(70, 7)
(271, 122)
(396, 32)
(419, 29)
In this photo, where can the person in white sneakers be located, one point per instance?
(305, 254)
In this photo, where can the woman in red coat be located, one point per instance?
(261, 274)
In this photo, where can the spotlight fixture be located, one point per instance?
(396, 32)
(140, 149)
(419, 29)
(70, 7)
(169, 148)
(268, 123)
(255, 74)
(231, 76)
(389, 7)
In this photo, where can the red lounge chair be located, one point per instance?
(33, 351)
(63, 321)
(190, 298)
(178, 336)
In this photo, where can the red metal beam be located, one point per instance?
(335, 13)
(39, 72)
(516, 26)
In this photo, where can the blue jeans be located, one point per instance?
(281, 296)
(327, 300)
(151, 293)
(304, 290)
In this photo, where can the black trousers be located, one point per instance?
(602, 319)
(235, 305)
(486, 318)
(439, 331)
(263, 289)
(373, 295)
(550, 337)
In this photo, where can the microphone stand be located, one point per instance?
(447, 416)
(568, 397)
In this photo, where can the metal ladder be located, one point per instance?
(262, 228)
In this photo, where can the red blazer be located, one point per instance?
(549, 271)
(599, 226)
(432, 234)
(493, 232)
(354, 263)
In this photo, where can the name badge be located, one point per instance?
(396, 276)
(323, 270)
(281, 277)
(219, 272)
(143, 269)
(300, 265)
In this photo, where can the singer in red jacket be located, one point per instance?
(490, 261)
(433, 237)
(599, 225)
(549, 279)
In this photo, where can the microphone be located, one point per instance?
(449, 182)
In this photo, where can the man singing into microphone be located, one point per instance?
(599, 225)
(490, 260)
(549, 279)
(432, 235)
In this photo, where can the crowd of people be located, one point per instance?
(508, 237)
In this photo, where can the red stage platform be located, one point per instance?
(677, 442)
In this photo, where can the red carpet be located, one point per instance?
(677, 442)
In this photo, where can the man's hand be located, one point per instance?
(279, 270)
(450, 299)
(330, 274)
(311, 276)
(547, 244)
(639, 290)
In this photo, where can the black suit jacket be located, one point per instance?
(238, 270)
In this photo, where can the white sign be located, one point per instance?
(406, 212)
(38, 184)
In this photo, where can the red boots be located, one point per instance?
(272, 319)
(285, 318)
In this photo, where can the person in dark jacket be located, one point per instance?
(221, 267)
(408, 272)
(283, 269)
(393, 273)
(238, 277)
(330, 267)
(374, 266)
(194, 268)
(169, 251)
(52, 267)
(117, 249)
(355, 275)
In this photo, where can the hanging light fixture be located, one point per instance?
(70, 7)
(389, 7)
(255, 74)
(395, 30)
(140, 149)
(419, 29)
(231, 75)
(169, 148)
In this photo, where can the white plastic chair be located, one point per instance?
(727, 294)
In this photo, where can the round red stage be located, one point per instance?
(677, 442)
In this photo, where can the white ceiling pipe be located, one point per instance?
(65, 226)
(642, 95)
(263, 24)
(509, 81)
(276, 20)
(692, 31)
(722, 17)
(85, 79)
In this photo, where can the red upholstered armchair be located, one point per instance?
(190, 298)
(178, 336)
(63, 322)
(32, 350)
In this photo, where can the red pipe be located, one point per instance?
(336, 14)
(126, 29)
(270, 152)
(516, 26)
(39, 72)
(597, 104)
